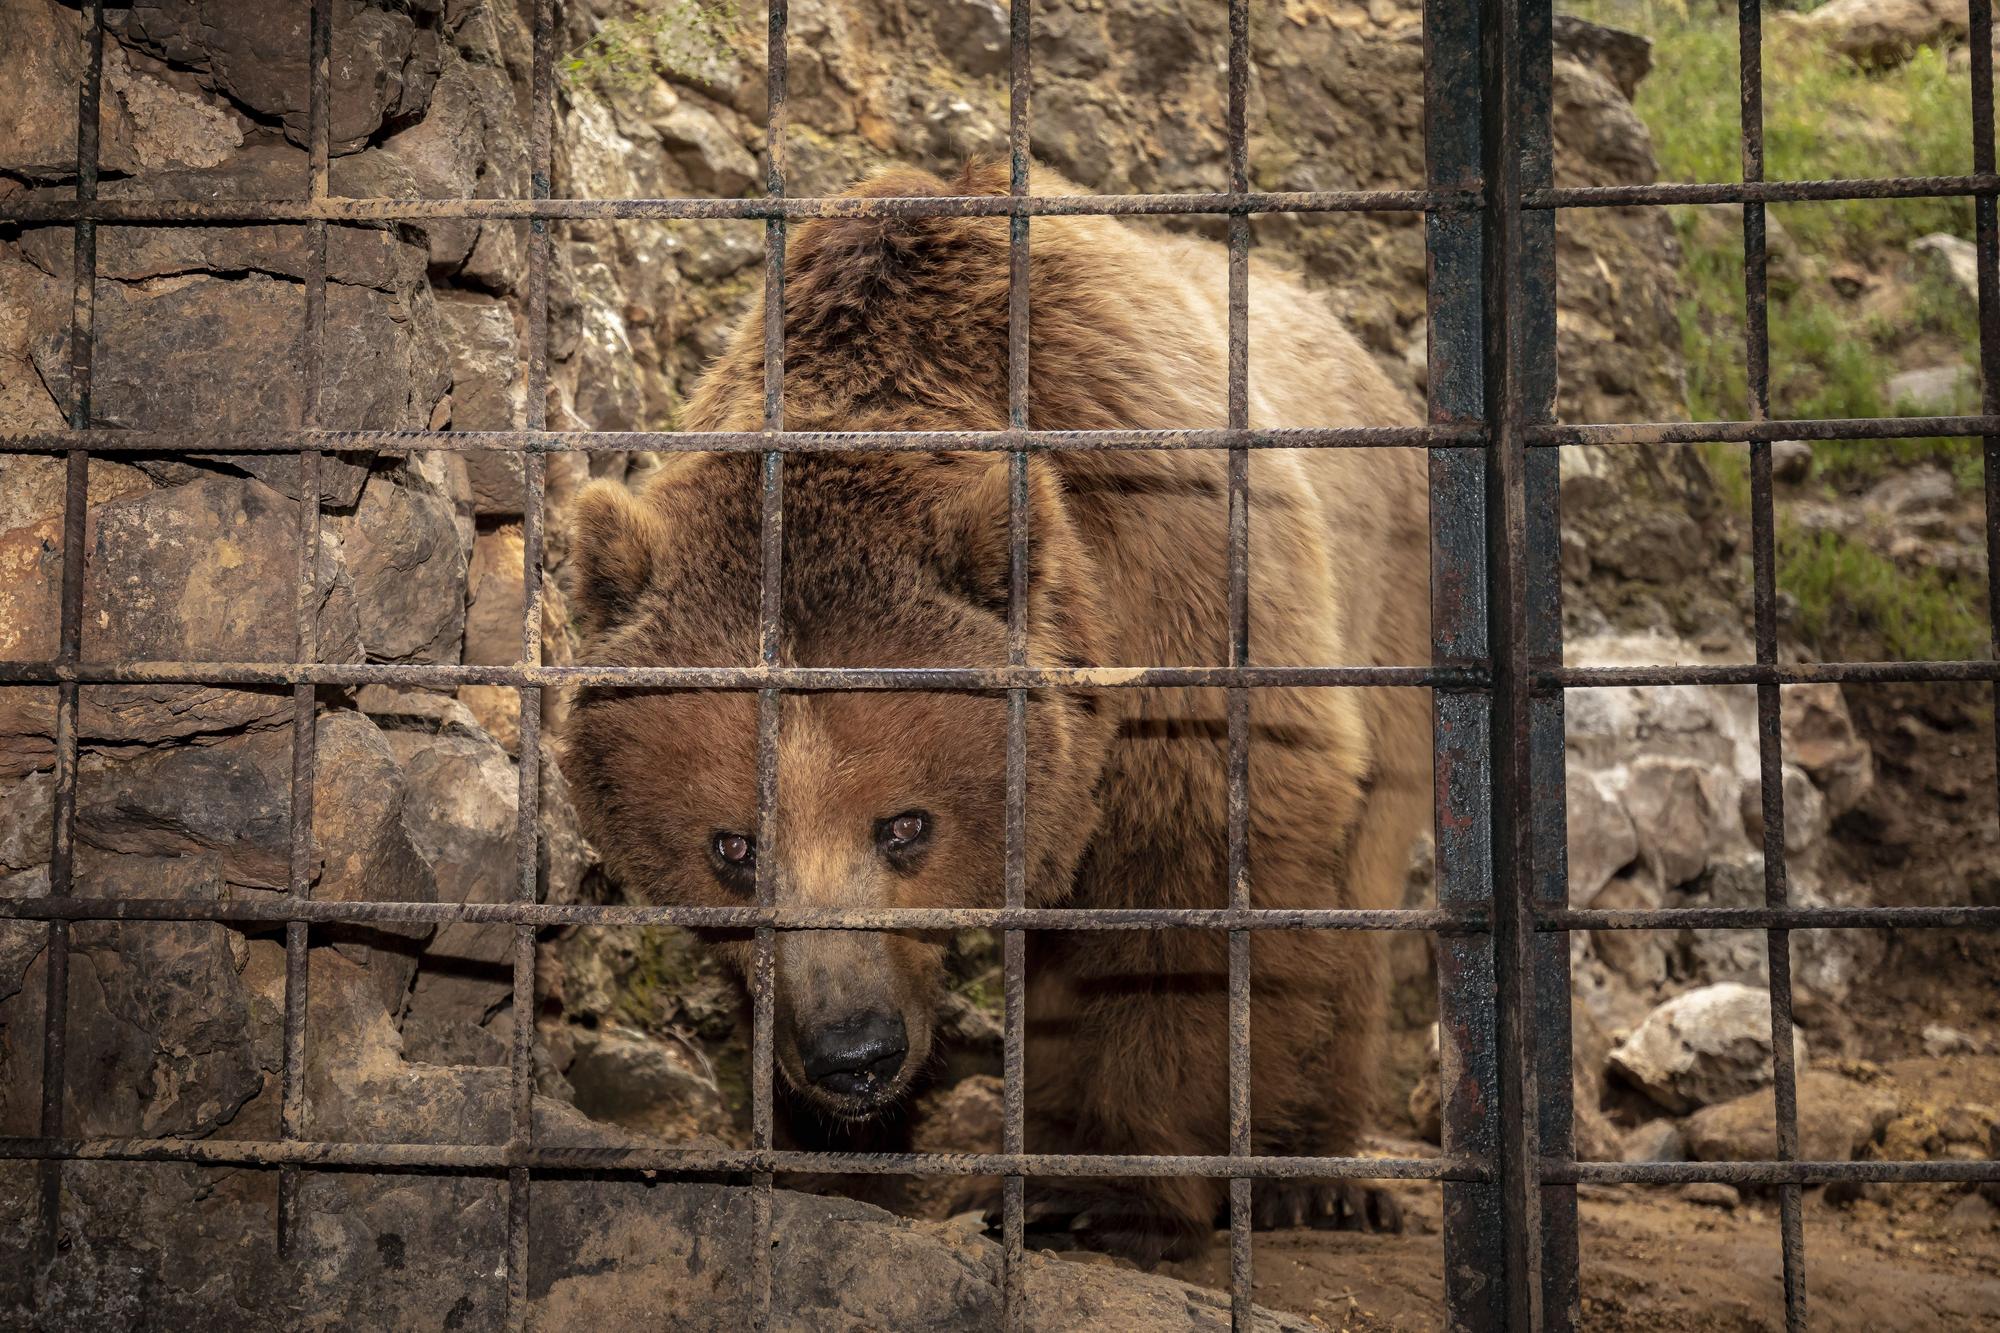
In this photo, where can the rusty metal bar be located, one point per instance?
(1773, 918)
(1764, 192)
(1770, 736)
(1986, 241)
(279, 908)
(1739, 432)
(1238, 705)
(527, 807)
(433, 1158)
(960, 679)
(1013, 943)
(1760, 673)
(222, 212)
(305, 734)
(1770, 1172)
(776, 917)
(770, 611)
(76, 510)
(573, 441)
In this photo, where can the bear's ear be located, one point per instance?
(973, 542)
(615, 540)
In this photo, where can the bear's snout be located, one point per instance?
(859, 1056)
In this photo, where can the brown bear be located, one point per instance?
(897, 799)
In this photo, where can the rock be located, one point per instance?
(1712, 1194)
(1887, 32)
(1791, 461)
(157, 368)
(409, 571)
(1950, 258)
(1625, 58)
(486, 389)
(383, 68)
(967, 1116)
(715, 163)
(1655, 1141)
(459, 809)
(645, 1084)
(1932, 390)
(1702, 1047)
(1969, 1123)
(1680, 810)
(1838, 1119)
(973, 34)
(1601, 838)
(1940, 1041)
(186, 573)
(42, 51)
(497, 709)
(493, 619)
(1825, 964)
(1820, 738)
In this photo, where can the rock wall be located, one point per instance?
(176, 1028)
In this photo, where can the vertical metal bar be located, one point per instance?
(770, 647)
(1240, 1274)
(1986, 242)
(1770, 735)
(76, 508)
(1524, 610)
(1013, 943)
(1469, 1077)
(527, 812)
(292, 1114)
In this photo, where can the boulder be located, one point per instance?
(651, 1085)
(1887, 32)
(973, 34)
(1951, 259)
(1625, 58)
(1931, 390)
(1838, 1118)
(1791, 461)
(1820, 738)
(408, 568)
(1705, 1046)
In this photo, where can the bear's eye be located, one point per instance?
(735, 860)
(902, 836)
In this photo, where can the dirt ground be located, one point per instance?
(1928, 1258)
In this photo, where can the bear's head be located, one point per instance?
(884, 799)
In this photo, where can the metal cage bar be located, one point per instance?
(76, 508)
(305, 727)
(1238, 698)
(1013, 942)
(1496, 670)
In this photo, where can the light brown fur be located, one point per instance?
(902, 560)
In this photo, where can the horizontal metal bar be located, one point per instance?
(499, 1156)
(336, 209)
(1766, 1172)
(745, 441)
(1754, 673)
(1744, 432)
(283, 907)
(939, 679)
(1765, 192)
(1773, 918)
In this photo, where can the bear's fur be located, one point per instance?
(902, 560)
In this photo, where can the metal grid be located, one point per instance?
(1497, 674)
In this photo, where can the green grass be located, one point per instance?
(1853, 602)
(1823, 117)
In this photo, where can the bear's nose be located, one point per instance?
(857, 1055)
